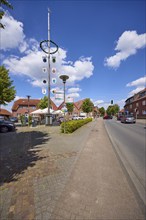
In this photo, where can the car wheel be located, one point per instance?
(4, 129)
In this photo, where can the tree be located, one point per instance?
(70, 107)
(102, 111)
(44, 103)
(7, 90)
(2, 12)
(112, 109)
(87, 106)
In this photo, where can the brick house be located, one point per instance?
(77, 110)
(136, 104)
(5, 113)
(22, 106)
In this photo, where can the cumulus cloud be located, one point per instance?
(12, 36)
(138, 89)
(137, 82)
(140, 84)
(29, 62)
(74, 95)
(72, 90)
(98, 102)
(31, 65)
(127, 45)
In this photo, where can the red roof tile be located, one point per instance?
(5, 112)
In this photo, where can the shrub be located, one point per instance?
(71, 126)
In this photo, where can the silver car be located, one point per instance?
(128, 119)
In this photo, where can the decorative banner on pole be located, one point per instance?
(54, 80)
(53, 70)
(44, 69)
(69, 100)
(44, 91)
(59, 96)
(44, 81)
(53, 91)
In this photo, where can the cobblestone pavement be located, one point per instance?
(46, 175)
(35, 166)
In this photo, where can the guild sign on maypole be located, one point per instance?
(45, 47)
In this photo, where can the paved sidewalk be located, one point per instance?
(98, 188)
(65, 176)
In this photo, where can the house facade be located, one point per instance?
(77, 110)
(136, 104)
(25, 106)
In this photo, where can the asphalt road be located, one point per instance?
(130, 143)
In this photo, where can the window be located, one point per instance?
(144, 102)
(144, 112)
(130, 106)
(137, 104)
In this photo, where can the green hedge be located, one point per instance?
(71, 126)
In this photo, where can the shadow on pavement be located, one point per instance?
(18, 151)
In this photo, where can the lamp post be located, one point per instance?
(48, 121)
(64, 78)
(28, 98)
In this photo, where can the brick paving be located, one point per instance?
(49, 175)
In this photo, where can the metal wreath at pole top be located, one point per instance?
(46, 41)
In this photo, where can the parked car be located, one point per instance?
(75, 117)
(6, 126)
(119, 117)
(128, 119)
(14, 119)
(107, 117)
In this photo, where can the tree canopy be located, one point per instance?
(70, 107)
(7, 90)
(87, 106)
(102, 111)
(44, 103)
(113, 109)
(2, 12)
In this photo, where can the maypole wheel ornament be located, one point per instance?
(46, 41)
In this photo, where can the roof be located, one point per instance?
(136, 96)
(5, 112)
(24, 102)
(79, 103)
(32, 102)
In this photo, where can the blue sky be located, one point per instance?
(101, 48)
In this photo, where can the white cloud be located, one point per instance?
(127, 45)
(96, 103)
(31, 65)
(72, 90)
(12, 36)
(138, 82)
(138, 89)
(73, 95)
(19, 97)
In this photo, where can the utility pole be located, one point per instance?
(47, 51)
(48, 116)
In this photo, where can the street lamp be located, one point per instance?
(64, 78)
(28, 98)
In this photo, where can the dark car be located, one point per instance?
(14, 119)
(6, 126)
(107, 117)
(128, 119)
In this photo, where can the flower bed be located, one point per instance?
(71, 126)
